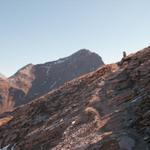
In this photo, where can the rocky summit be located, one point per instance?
(33, 81)
(108, 109)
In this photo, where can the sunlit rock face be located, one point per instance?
(5, 102)
(107, 109)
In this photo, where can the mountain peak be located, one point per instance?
(28, 66)
(86, 54)
(24, 70)
(82, 52)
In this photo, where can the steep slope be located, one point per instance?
(21, 83)
(33, 81)
(107, 109)
(5, 102)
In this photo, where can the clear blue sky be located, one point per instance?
(36, 31)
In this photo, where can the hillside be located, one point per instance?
(33, 81)
(108, 109)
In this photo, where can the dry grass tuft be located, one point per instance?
(5, 120)
(93, 114)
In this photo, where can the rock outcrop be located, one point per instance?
(108, 109)
(6, 103)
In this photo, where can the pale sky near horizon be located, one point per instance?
(37, 31)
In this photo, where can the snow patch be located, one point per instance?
(60, 61)
(73, 122)
(8, 147)
(48, 69)
(138, 98)
(5, 148)
(53, 84)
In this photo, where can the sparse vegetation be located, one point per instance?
(93, 114)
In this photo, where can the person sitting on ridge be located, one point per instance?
(124, 54)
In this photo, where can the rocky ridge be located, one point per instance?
(107, 109)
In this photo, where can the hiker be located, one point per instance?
(124, 54)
